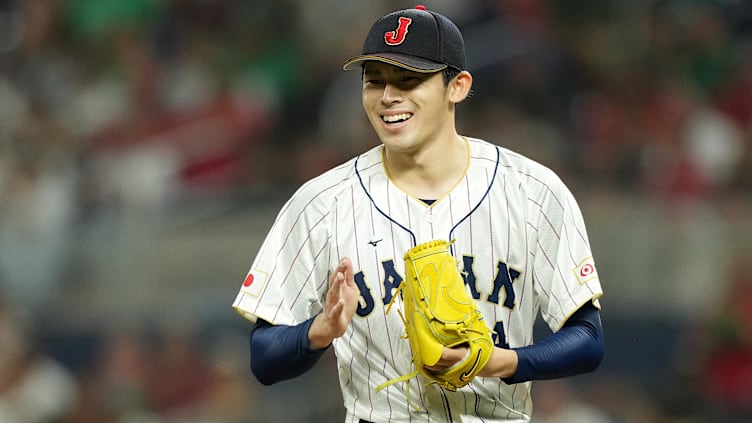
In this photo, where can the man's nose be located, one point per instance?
(391, 94)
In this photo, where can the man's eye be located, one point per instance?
(373, 81)
(411, 81)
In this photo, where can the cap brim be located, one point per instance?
(415, 64)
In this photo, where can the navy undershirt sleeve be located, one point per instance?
(280, 352)
(578, 347)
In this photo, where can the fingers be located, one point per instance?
(342, 298)
(337, 278)
(343, 273)
(335, 295)
(450, 357)
(346, 267)
(341, 270)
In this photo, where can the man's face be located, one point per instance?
(407, 109)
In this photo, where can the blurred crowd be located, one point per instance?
(125, 113)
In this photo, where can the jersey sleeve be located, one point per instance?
(565, 274)
(287, 281)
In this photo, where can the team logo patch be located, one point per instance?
(254, 282)
(397, 37)
(585, 271)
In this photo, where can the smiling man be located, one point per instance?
(333, 260)
(413, 115)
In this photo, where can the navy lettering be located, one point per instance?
(468, 275)
(392, 280)
(499, 336)
(504, 279)
(365, 304)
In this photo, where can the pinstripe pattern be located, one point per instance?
(509, 214)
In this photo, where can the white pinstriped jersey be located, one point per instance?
(519, 237)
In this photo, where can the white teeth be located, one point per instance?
(397, 118)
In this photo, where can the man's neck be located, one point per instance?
(431, 174)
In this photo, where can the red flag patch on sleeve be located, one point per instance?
(254, 282)
(585, 271)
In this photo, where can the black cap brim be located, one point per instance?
(415, 64)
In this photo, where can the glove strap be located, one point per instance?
(403, 378)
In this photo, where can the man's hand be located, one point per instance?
(449, 357)
(341, 303)
(503, 363)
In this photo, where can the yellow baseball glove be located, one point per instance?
(439, 312)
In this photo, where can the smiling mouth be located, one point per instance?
(397, 118)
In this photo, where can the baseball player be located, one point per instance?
(333, 258)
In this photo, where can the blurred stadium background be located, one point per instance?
(146, 146)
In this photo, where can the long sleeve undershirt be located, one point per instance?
(280, 352)
(577, 348)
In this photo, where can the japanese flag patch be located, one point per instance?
(254, 282)
(585, 271)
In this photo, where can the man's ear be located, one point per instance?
(459, 87)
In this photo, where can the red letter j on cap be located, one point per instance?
(397, 36)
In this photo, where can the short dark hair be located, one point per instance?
(449, 73)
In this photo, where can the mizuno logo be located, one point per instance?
(468, 374)
(374, 242)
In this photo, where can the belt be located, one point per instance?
(363, 421)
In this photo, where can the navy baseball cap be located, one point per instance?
(414, 39)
